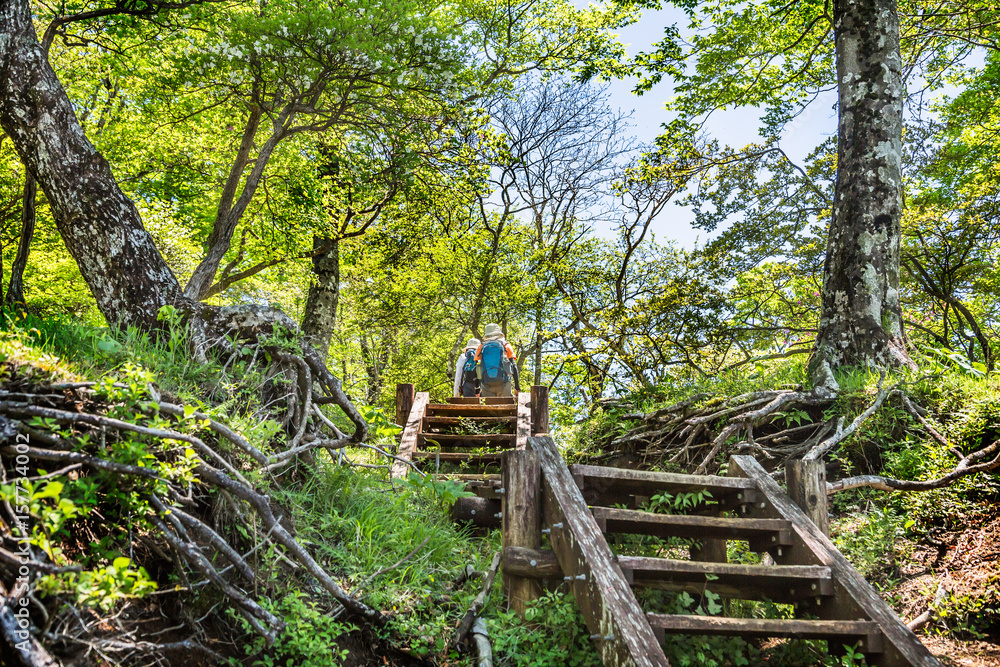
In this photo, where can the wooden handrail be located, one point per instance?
(853, 596)
(614, 618)
(411, 434)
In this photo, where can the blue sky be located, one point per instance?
(735, 127)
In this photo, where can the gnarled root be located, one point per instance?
(171, 526)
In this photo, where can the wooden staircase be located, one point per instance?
(469, 432)
(577, 509)
(560, 521)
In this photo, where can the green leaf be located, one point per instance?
(51, 490)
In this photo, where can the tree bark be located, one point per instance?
(320, 318)
(15, 290)
(99, 224)
(861, 318)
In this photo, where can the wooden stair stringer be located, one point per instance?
(616, 622)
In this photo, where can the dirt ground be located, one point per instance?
(967, 565)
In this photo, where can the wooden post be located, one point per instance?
(539, 409)
(404, 401)
(410, 437)
(522, 520)
(522, 426)
(806, 481)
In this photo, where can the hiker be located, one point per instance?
(496, 364)
(466, 380)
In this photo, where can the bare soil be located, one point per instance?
(967, 564)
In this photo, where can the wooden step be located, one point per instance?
(777, 583)
(761, 533)
(445, 410)
(503, 440)
(863, 633)
(611, 486)
(458, 421)
(453, 457)
(488, 400)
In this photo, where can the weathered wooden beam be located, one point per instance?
(806, 482)
(624, 637)
(777, 583)
(854, 598)
(523, 428)
(864, 633)
(482, 512)
(457, 421)
(411, 434)
(522, 519)
(633, 522)
(539, 409)
(485, 457)
(531, 563)
(609, 486)
(504, 440)
(404, 401)
(784, 584)
(445, 410)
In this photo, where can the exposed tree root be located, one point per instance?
(697, 437)
(961, 470)
(55, 419)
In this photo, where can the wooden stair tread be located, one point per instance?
(635, 522)
(656, 481)
(457, 421)
(490, 400)
(865, 631)
(447, 410)
(473, 479)
(779, 583)
(488, 457)
(452, 440)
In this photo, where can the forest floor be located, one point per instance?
(967, 563)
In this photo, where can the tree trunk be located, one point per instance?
(320, 318)
(537, 380)
(15, 292)
(229, 214)
(99, 224)
(861, 319)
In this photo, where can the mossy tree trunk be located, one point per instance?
(320, 318)
(861, 319)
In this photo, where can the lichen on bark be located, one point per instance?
(861, 319)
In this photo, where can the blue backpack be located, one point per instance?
(470, 361)
(493, 362)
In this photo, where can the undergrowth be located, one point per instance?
(392, 545)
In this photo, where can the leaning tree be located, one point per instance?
(101, 226)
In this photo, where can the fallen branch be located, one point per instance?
(477, 604)
(481, 638)
(931, 612)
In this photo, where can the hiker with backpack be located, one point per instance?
(466, 379)
(496, 364)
